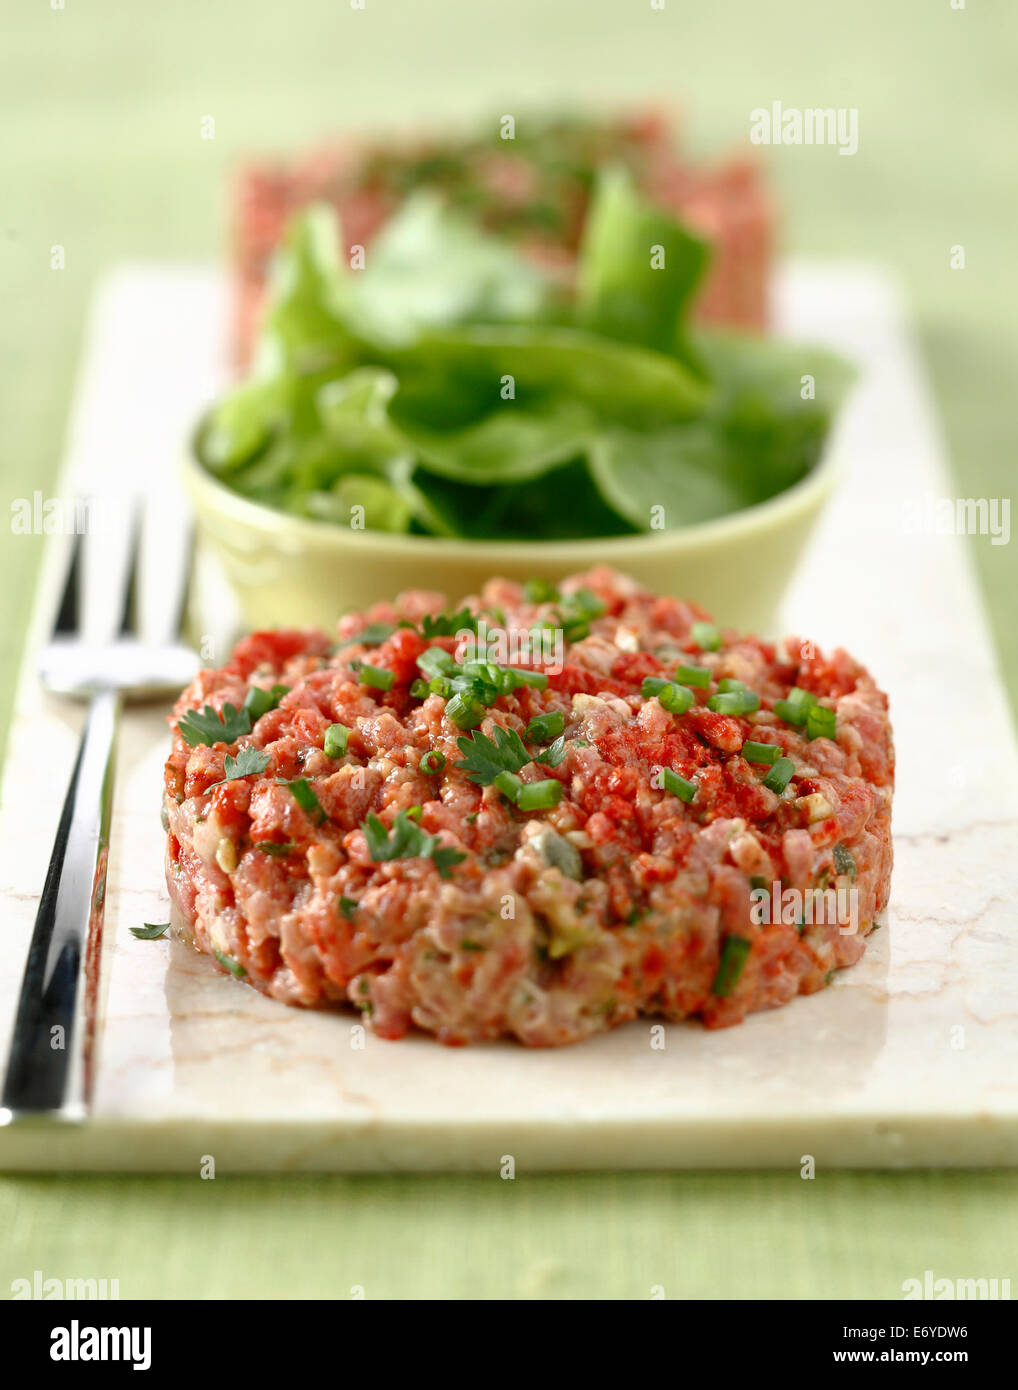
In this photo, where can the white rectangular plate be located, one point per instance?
(908, 1059)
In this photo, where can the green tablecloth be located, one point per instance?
(104, 156)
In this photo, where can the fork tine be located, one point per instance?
(66, 620)
(107, 552)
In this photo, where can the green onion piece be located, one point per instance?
(543, 728)
(436, 662)
(760, 752)
(537, 680)
(844, 863)
(233, 966)
(304, 795)
(509, 785)
(441, 685)
(415, 813)
(780, 775)
(734, 702)
(348, 906)
(677, 785)
(377, 678)
(693, 675)
(706, 636)
(795, 708)
(420, 689)
(258, 701)
(539, 796)
(733, 958)
(728, 684)
(540, 591)
(433, 761)
(676, 699)
(652, 685)
(336, 736)
(464, 710)
(821, 722)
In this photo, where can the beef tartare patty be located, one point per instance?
(656, 817)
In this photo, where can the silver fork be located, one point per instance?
(93, 656)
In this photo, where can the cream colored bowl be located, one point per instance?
(290, 572)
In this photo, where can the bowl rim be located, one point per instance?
(803, 497)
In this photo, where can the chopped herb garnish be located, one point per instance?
(467, 945)
(433, 761)
(796, 707)
(540, 591)
(247, 762)
(821, 722)
(653, 685)
(545, 727)
(552, 756)
(734, 702)
(277, 847)
(676, 699)
(693, 675)
(151, 931)
(336, 736)
(844, 863)
(233, 966)
(348, 906)
(509, 785)
(539, 796)
(303, 794)
(258, 701)
(706, 636)
(206, 726)
(436, 661)
(372, 636)
(484, 758)
(518, 676)
(733, 958)
(760, 752)
(448, 624)
(420, 689)
(678, 786)
(464, 710)
(729, 684)
(780, 775)
(407, 840)
(376, 677)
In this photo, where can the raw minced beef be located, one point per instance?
(551, 924)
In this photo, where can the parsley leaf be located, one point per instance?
(151, 931)
(484, 758)
(206, 726)
(406, 840)
(247, 761)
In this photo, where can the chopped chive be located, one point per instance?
(420, 689)
(821, 722)
(706, 636)
(336, 736)
(539, 796)
(734, 702)
(676, 699)
(693, 675)
(433, 761)
(844, 863)
(780, 775)
(415, 813)
(258, 701)
(464, 710)
(233, 966)
(436, 661)
(733, 958)
(540, 591)
(678, 786)
(441, 685)
(509, 785)
(304, 795)
(543, 728)
(377, 678)
(727, 684)
(537, 680)
(274, 847)
(760, 752)
(348, 906)
(652, 685)
(795, 708)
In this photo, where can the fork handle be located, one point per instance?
(49, 1071)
